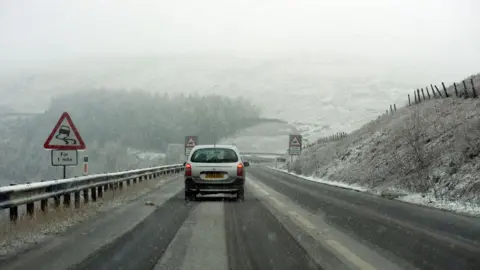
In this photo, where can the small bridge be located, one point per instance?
(262, 154)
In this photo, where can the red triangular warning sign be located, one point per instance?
(295, 142)
(64, 135)
(190, 143)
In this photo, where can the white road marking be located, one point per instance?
(302, 220)
(280, 204)
(347, 254)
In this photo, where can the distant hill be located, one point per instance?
(111, 122)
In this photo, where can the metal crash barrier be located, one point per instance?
(91, 187)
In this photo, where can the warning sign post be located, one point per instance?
(295, 145)
(190, 142)
(64, 141)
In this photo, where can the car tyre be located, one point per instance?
(190, 196)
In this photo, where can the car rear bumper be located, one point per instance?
(212, 188)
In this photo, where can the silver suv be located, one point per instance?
(212, 169)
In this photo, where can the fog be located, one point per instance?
(430, 32)
(349, 59)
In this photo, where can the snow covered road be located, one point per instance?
(284, 223)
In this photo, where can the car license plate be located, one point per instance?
(214, 176)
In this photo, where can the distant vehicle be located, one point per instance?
(214, 169)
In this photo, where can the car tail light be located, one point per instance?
(240, 169)
(188, 169)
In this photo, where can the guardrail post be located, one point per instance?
(128, 182)
(56, 201)
(14, 213)
(30, 209)
(140, 179)
(85, 195)
(77, 199)
(120, 185)
(100, 191)
(44, 205)
(66, 200)
(93, 190)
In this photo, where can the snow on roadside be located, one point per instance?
(453, 206)
(427, 200)
(331, 183)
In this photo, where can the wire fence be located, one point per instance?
(466, 89)
(460, 91)
(335, 137)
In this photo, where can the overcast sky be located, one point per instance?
(430, 31)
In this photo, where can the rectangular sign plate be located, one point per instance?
(64, 157)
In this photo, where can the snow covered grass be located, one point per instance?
(428, 200)
(28, 231)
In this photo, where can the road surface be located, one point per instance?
(284, 223)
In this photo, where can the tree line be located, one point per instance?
(112, 122)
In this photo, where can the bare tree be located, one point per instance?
(414, 138)
(414, 156)
(469, 137)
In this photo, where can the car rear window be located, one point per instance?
(214, 155)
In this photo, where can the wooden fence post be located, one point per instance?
(418, 94)
(395, 107)
(465, 89)
(456, 91)
(440, 94)
(423, 94)
(409, 102)
(445, 89)
(473, 88)
(428, 92)
(433, 91)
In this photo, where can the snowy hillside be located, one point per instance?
(432, 148)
